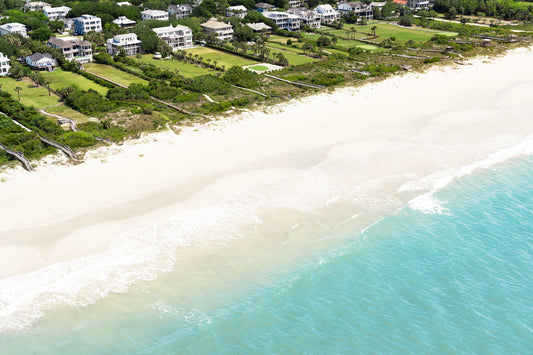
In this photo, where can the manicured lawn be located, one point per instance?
(114, 74)
(345, 43)
(222, 58)
(281, 39)
(185, 69)
(29, 95)
(258, 67)
(60, 79)
(401, 34)
(285, 47)
(293, 58)
(38, 97)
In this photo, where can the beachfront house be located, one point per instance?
(129, 42)
(238, 11)
(307, 17)
(4, 64)
(56, 13)
(124, 22)
(357, 8)
(284, 20)
(259, 27)
(262, 7)
(178, 37)
(418, 4)
(327, 14)
(295, 3)
(179, 11)
(41, 61)
(73, 48)
(223, 31)
(154, 15)
(35, 6)
(87, 23)
(379, 5)
(13, 27)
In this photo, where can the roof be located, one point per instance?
(153, 12)
(123, 20)
(258, 26)
(38, 56)
(59, 8)
(401, 2)
(215, 24)
(180, 6)
(238, 7)
(161, 30)
(263, 5)
(12, 26)
(68, 42)
(355, 4)
(378, 4)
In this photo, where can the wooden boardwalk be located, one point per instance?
(19, 156)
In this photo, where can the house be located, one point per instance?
(284, 20)
(123, 3)
(41, 61)
(379, 5)
(307, 17)
(259, 27)
(238, 11)
(223, 31)
(13, 27)
(87, 23)
(73, 48)
(179, 11)
(418, 4)
(178, 37)
(4, 64)
(327, 14)
(56, 13)
(129, 42)
(357, 8)
(35, 6)
(124, 22)
(154, 15)
(262, 7)
(295, 3)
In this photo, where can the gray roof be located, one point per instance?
(262, 5)
(38, 56)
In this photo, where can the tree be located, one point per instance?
(464, 20)
(208, 62)
(47, 84)
(374, 28)
(41, 34)
(215, 64)
(18, 89)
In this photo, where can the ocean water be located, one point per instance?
(451, 272)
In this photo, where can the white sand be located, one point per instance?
(388, 134)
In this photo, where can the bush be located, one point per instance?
(240, 77)
(204, 83)
(78, 139)
(328, 79)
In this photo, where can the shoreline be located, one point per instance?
(330, 155)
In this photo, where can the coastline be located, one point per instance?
(389, 140)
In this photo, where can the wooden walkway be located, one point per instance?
(19, 156)
(311, 86)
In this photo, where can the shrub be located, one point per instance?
(328, 79)
(78, 139)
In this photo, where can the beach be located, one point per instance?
(255, 190)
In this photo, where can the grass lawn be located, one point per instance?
(38, 97)
(345, 43)
(60, 79)
(114, 74)
(293, 58)
(281, 39)
(258, 67)
(402, 34)
(222, 58)
(185, 69)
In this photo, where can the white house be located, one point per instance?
(284, 20)
(418, 4)
(307, 17)
(56, 13)
(327, 14)
(179, 11)
(223, 31)
(238, 11)
(124, 22)
(177, 37)
(41, 61)
(129, 42)
(4, 64)
(73, 48)
(35, 6)
(154, 15)
(87, 23)
(124, 3)
(295, 3)
(13, 27)
(357, 8)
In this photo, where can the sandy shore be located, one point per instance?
(370, 140)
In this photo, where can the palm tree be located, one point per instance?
(196, 58)
(374, 30)
(215, 64)
(223, 68)
(209, 63)
(47, 84)
(18, 90)
(200, 60)
(190, 56)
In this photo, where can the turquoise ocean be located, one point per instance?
(456, 280)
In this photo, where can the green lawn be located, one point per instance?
(222, 58)
(345, 43)
(281, 39)
(402, 34)
(38, 97)
(114, 74)
(185, 69)
(295, 56)
(258, 67)
(60, 79)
